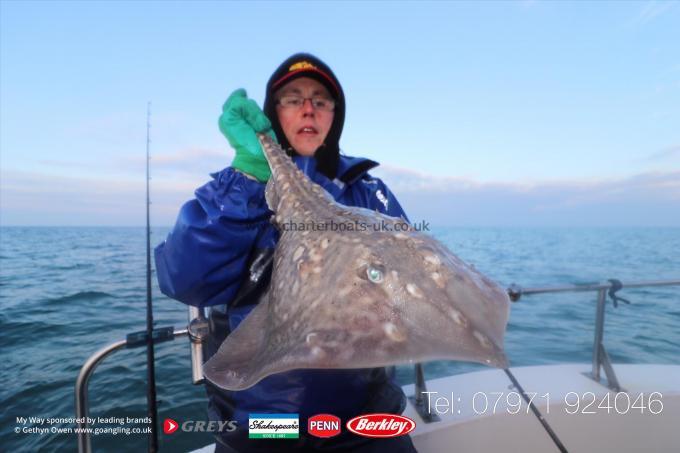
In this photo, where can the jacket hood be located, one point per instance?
(307, 65)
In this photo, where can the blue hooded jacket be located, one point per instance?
(205, 262)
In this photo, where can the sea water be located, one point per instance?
(67, 292)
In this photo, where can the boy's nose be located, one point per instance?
(307, 106)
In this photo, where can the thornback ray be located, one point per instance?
(379, 295)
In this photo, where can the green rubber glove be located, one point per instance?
(241, 118)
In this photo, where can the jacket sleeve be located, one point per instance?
(203, 260)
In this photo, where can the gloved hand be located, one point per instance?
(241, 118)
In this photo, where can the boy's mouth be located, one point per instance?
(307, 130)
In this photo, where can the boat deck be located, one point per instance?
(486, 415)
(481, 411)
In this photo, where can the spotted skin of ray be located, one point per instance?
(357, 299)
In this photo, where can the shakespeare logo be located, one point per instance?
(273, 426)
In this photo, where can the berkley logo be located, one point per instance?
(381, 425)
(323, 425)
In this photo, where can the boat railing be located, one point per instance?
(197, 329)
(600, 358)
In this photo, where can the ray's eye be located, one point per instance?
(374, 274)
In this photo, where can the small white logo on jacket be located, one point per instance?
(381, 198)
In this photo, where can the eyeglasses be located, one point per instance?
(295, 102)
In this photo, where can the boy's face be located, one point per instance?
(306, 128)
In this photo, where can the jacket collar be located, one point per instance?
(350, 169)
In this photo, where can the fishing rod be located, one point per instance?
(537, 413)
(152, 409)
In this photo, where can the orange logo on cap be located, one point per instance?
(301, 65)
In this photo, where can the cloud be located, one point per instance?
(651, 199)
(184, 162)
(120, 128)
(117, 129)
(652, 10)
(69, 165)
(529, 3)
(116, 196)
(181, 164)
(38, 199)
(665, 154)
(192, 159)
(645, 199)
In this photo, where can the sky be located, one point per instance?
(525, 113)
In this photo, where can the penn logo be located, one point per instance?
(381, 425)
(323, 425)
(170, 426)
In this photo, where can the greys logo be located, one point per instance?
(213, 426)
